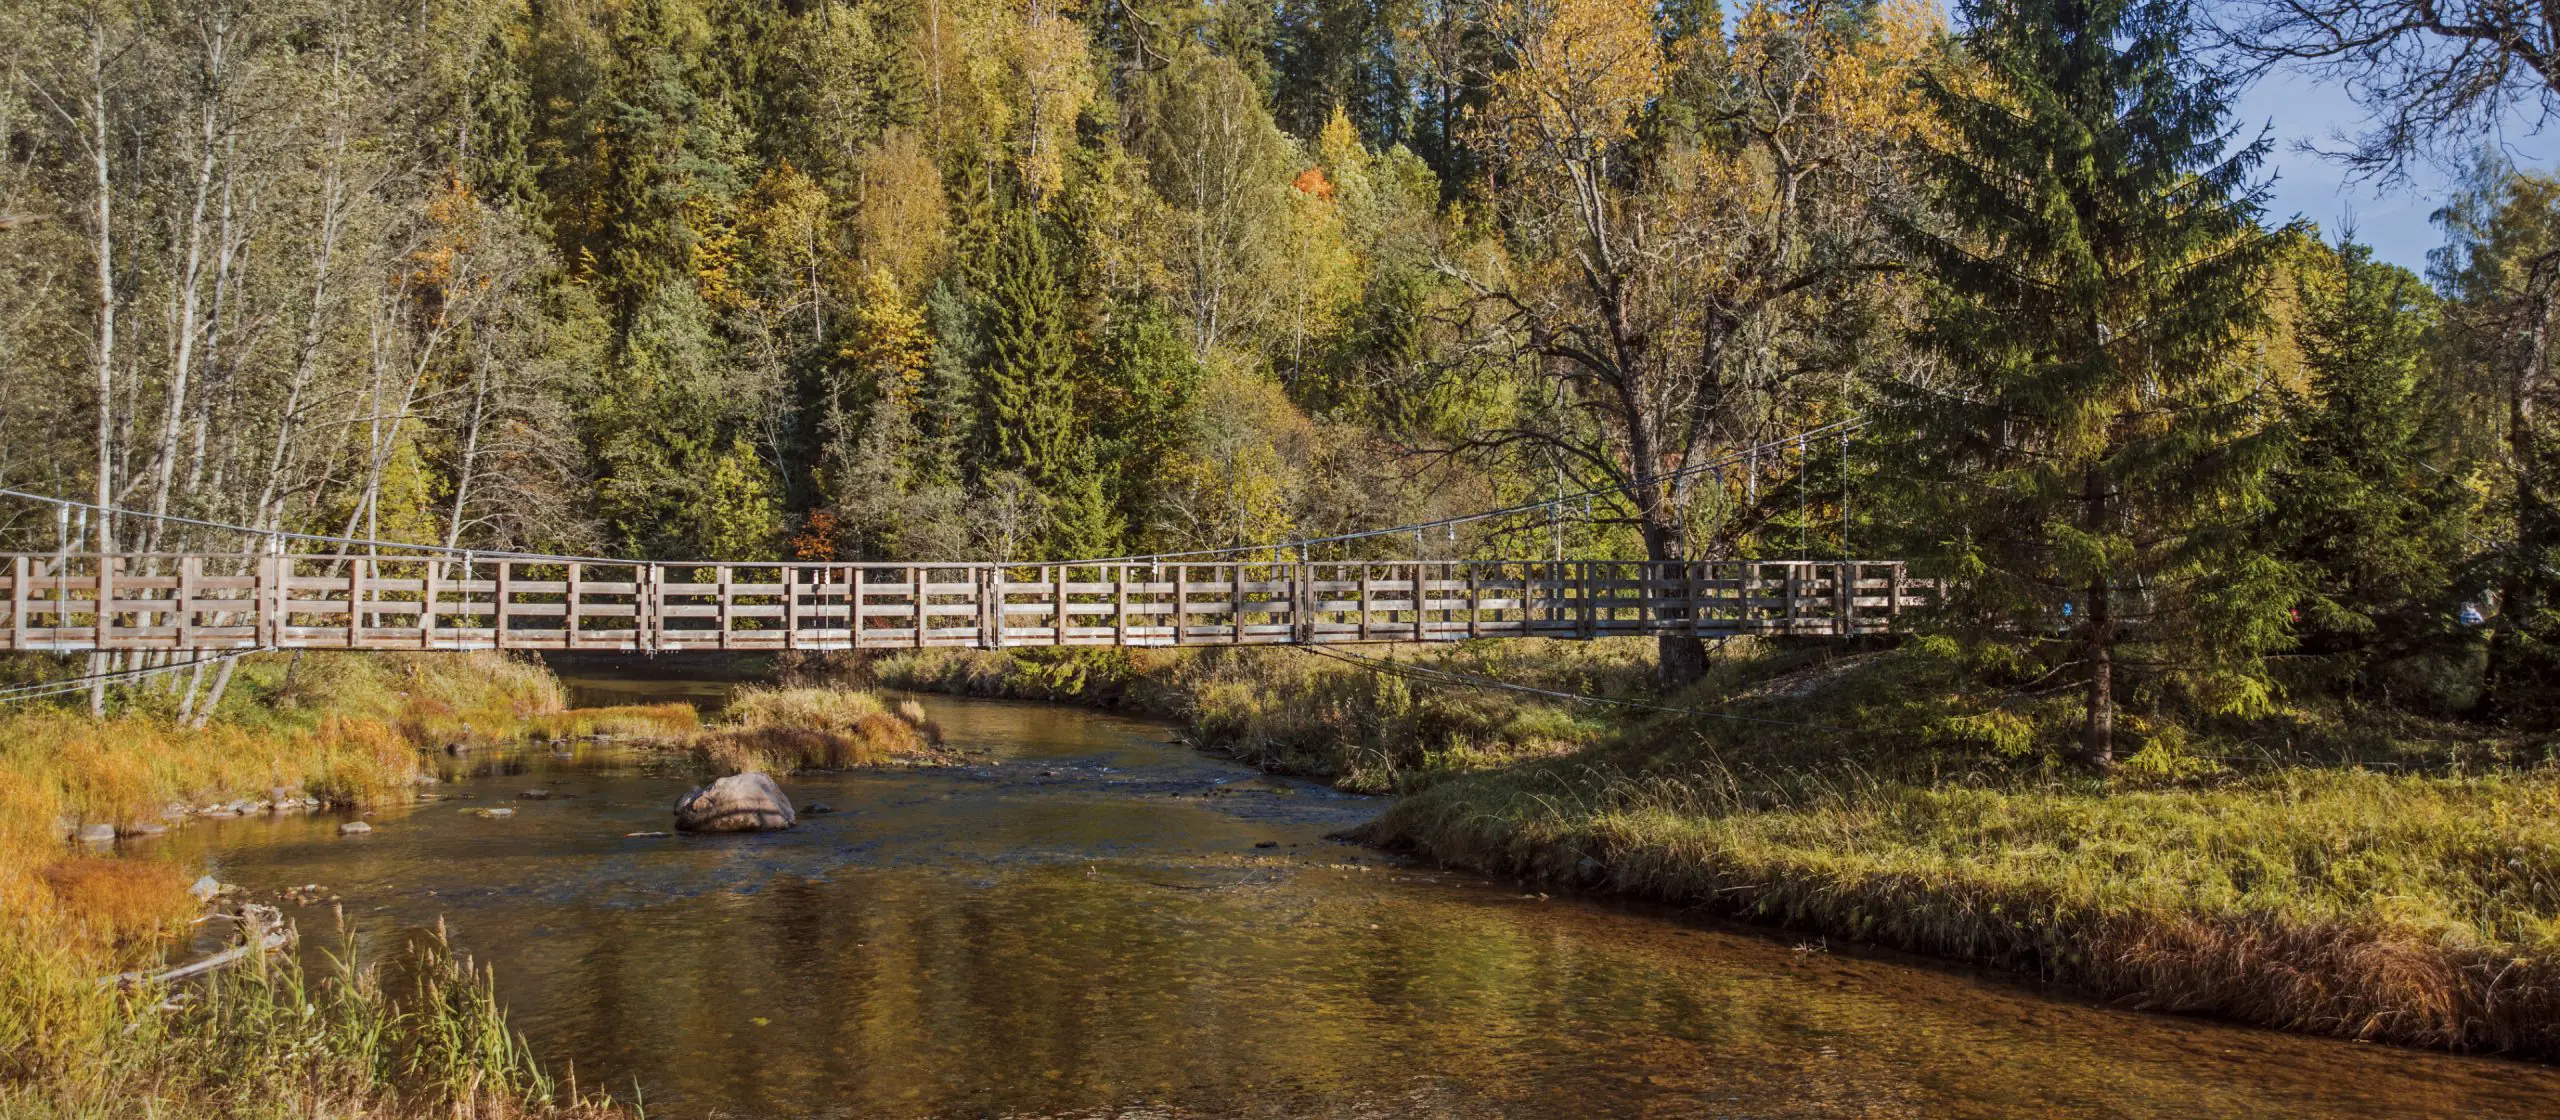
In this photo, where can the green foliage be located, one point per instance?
(2098, 402)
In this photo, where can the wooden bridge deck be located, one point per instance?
(217, 603)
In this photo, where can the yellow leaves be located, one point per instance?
(1583, 70)
(1052, 62)
(903, 218)
(714, 255)
(889, 340)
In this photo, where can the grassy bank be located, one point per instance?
(336, 730)
(2326, 871)
(1300, 713)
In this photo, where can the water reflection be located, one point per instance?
(1088, 924)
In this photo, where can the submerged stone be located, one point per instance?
(737, 803)
(354, 828)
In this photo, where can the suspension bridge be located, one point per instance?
(347, 594)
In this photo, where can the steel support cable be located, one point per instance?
(1584, 497)
(1470, 680)
(41, 689)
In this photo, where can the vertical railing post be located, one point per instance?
(355, 601)
(427, 593)
(790, 607)
(500, 599)
(1181, 599)
(18, 602)
(106, 595)
(720, 584)
(570, 602)
(266, 600)
(1475, 601)
(1120, 604)
(1845, 593)
(1591, 609)
(915, 583)
(190, 572)
(853, 606)
(1235, 603)
(1058, 631)
(1893, 593)
(1364, 600)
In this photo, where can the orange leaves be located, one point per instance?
(1312, 183)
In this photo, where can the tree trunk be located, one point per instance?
(99, 155)
(2098, 733)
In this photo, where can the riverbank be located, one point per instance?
(2321, 869)
(294, 733)
(1293, 712)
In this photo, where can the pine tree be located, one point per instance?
(2371, 522)
(2088, 299)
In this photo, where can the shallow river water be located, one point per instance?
(1091, 921)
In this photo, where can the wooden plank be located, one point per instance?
(915, 584)
(1181, 599)
(1235, 604)
(853, 605)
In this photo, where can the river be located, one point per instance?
(1092, 921)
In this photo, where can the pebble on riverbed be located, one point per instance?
(491, 814)
(354, 828)
(534, 795)
(646, 835)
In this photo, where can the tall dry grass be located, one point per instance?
(346, 729)
(1295, 712)
(810, 728)
(268, 1040)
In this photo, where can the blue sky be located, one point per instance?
(2394, 220)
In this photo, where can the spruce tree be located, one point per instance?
(2371, 522)
(1026, 379)
(2092, 432)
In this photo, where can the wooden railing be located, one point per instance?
(212, 603)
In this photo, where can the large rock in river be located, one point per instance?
(737, 803)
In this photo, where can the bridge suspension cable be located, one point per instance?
(1554, 507)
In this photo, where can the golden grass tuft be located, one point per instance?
(623, 721)
(785, 729)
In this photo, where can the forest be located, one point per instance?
(2237, 697)
(957, 279)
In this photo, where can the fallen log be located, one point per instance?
(267, 933)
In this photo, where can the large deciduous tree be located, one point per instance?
(1670, 218)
